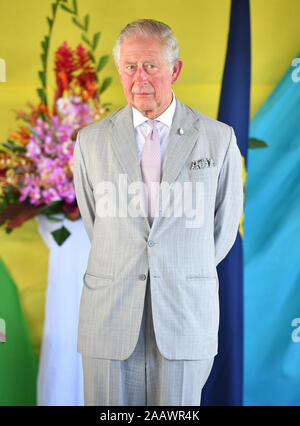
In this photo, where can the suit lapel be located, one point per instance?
(179, 146)
(177, 151)
(124, 144)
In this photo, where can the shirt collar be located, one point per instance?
(166, 117)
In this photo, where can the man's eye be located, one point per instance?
(130, 67)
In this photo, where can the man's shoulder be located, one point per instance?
(100, 125)
(214, 132)
(208, 121)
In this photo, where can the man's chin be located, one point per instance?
(144, 105)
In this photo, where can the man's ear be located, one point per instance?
(176, 71)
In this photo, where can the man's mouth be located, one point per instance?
(143, 94)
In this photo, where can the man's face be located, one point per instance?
(145, 75)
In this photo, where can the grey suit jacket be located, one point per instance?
(180, 257)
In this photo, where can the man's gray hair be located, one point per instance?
(149, 28)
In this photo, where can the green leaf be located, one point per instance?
(78, 23)
(54, 7)
(86, 22)
(102, 62)
(52, 208)
(66, 9)
(10, 198)
(95, 40)
(85, 39)
(46, 118)
(105, 84)
(91, 56)
(60, 235)
(8, 146)
(45, 44)
(54, 218)
(44, 60)
(75, 6)
(42, 95)
(34, 132)
(42, 78)
(256, 143)
(21, 149)
(3, 205)
(13, 147)
(50, 22)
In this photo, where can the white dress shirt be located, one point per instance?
(163, 124)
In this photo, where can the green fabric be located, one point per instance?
(18, 366)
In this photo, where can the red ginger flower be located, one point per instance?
(87, 78)
(64, 68)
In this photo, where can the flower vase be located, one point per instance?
(60, 377)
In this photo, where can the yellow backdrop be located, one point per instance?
(201, 27)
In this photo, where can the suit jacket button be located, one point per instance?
(142, 277)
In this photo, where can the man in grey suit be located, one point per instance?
(159, 188)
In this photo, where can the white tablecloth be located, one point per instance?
(60, 378)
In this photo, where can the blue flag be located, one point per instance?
(272, 247)
(225, 384)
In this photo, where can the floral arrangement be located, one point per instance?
(36, 162)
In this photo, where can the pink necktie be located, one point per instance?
(150, 165)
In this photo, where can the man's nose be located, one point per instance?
(141, 74)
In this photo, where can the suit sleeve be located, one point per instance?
(83, 189)
(229, 201)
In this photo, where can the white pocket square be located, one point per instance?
(203, 163)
